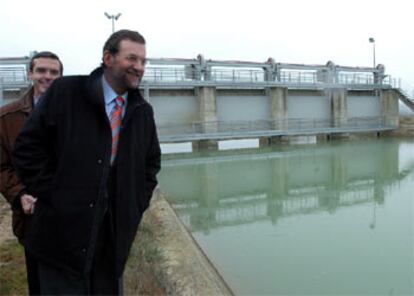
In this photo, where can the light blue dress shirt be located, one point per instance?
(110, 96)
(35, 101)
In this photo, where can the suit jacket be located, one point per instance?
(63, 154)
(12, 118)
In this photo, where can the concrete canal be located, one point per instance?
(334, 218)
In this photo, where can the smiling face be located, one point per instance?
(124, 69)
(44, 71)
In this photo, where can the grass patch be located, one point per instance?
(12, 269)
(139, 278)
(144, 246)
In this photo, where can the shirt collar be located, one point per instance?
(35, 100)
(109, 93)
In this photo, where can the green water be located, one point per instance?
(330, 219)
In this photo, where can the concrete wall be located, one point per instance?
(389, 106)
(210, 104)
(174, 107)
(206, 109)
(308, 105)
(242, 105)
(362, 104)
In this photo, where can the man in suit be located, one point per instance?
(44, 67)
(90, 154)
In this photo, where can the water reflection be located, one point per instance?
(216, 190)
(319, 204)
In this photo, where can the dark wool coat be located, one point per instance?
(62, 156)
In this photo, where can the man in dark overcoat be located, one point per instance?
(90, 154)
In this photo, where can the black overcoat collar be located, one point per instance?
(95, 94)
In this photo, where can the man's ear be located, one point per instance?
(107, 58)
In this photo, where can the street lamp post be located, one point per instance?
(372, 40)
(114, 18)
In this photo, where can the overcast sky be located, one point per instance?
(290, 31)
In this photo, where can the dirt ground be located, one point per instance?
(12, 265)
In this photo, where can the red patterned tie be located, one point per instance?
(116, 120)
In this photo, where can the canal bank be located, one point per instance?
(405, 128)
(175, 263)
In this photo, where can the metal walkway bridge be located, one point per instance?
(262, 128)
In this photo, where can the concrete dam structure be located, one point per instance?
(204, 101)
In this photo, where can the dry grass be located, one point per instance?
(12, 269)
(139, 278)
(12, 263)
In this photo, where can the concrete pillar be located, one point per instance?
(278, 107)
(279, 140)
(389, 107)
(264, 142)
(339, 108)
(274, 140)
(322, 137)
(208, 116)
(278, 114)
(204, 145)
(208, 108)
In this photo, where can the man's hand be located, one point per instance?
(28, 203)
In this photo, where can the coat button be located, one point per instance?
(84, 250)
(91, 205)
(99, 161)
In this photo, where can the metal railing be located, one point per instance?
(193, 72)
(406, 99)
(11, 77)
(177, 75)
